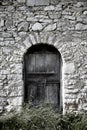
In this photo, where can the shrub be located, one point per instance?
(43, 117)
(39, 118)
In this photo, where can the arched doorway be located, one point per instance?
(42, 68)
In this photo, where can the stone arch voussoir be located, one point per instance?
(38, 38)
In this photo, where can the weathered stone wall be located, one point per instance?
(61, 23)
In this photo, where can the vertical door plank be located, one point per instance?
(31, 63)
(39, 63)
(50, 62)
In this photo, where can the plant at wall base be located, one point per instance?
(39, 118)
(81, 124)
(43, 117)
(31, 118)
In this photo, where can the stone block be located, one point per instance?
(42, 2)
(9, 23)
(30, 2)
(84, 20)
(37, 27)
(1, 22)
(3, 101)
(41, 16)
(70, 101)
(23, 26)
(10, 8)
(32, 39)
(51, 27)
(45, 20)
(14, 101)
(6, 34)
(1, 39)
(14, 90)
(69, 68)
(27, 42)
(69, 17)
(48, 8)
(54, 15)
(21, 1)
(32, 19)
(85, 12)
(58, 7)
(22, 34)
(37, 2)
(71, 91)
(54, 1)
(80, 26)
(79, 4)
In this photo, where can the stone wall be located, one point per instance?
(60, 23)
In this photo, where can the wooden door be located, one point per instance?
(42, 78)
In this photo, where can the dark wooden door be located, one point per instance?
(42, 78)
